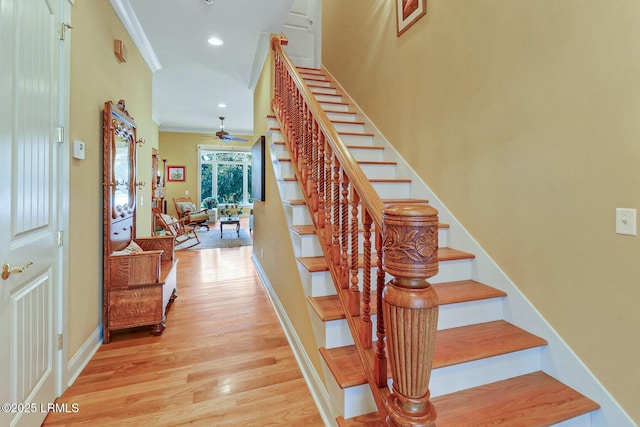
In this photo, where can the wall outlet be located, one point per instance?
(626, 221)
(186, 192)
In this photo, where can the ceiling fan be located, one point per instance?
(224, 136)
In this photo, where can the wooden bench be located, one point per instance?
(140, 287)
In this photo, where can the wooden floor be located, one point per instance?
(222, 361)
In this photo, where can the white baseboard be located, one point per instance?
(314, 382)
(83, 355)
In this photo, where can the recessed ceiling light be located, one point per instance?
(215, 41)
(222, 105)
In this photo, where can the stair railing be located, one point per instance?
(343, 204)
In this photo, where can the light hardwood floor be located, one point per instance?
(222, 361)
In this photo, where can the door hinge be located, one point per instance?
(63, 30)
(60, 342)
(60, 238)
(60, 132)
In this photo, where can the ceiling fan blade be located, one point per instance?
(235, 138)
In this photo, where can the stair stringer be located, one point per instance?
(557, 359)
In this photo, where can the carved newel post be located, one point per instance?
(410, 310)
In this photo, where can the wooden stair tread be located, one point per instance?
(534, 399)
(350, 147)
(303, 229)
(355, 133)
(328, 307)
(346, 122)
(319, 263)
(385, 201)
(453, 346)
(464, 291)
(309, 229)
(360, 162)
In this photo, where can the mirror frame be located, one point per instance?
(118, 125)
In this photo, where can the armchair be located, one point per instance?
(187, 210)
(176, 227)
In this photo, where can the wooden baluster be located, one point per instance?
(321, 181)
(314, 165)
(381, 356)
(354, 294)
(328, 205)
(365, 317)
(309, 163)
(335, 244)
(344, 232)
(410, 306)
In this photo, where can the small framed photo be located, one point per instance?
(175, 173)
(408, 12)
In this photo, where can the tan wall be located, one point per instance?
(522, 117)
(181, 149)
(273, 251)
(96, 77)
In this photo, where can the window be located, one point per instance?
(226, 175)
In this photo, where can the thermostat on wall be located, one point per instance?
(78, 150)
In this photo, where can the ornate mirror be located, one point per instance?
(119, 176)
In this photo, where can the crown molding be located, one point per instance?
(130, 21)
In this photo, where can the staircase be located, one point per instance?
(486, 371)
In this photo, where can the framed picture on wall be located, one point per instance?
(176, 173)
(408, 12)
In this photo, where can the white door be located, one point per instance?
(302, 28)
(29, 115)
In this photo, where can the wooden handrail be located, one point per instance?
(341, 199)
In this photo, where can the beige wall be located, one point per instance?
(274, 253)
(523, 117)
(96, 77)
(181, 149)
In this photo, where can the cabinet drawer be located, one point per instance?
(135, 307)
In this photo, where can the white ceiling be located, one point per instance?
(191, 77)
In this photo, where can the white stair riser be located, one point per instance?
(312, 76)
(359, 140)
(278, 150)
(392, 190)
(320, 97)
(341, 116)
(452, 378)
(305, 245)
(348, 127)
(314, 82)
(328, 106)
(450, 316)
(581, 421)
(317, 284)
(380, 171)
(284, 169)
(290, 190)
(310, 245)
(367, 154)
(298, 215)
(323, 89)
(484, 371)
(450, 271)
(360, 398)
(469, 313)
(321, 284)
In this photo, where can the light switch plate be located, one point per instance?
(626, 221)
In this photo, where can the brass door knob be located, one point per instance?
(7, 270)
